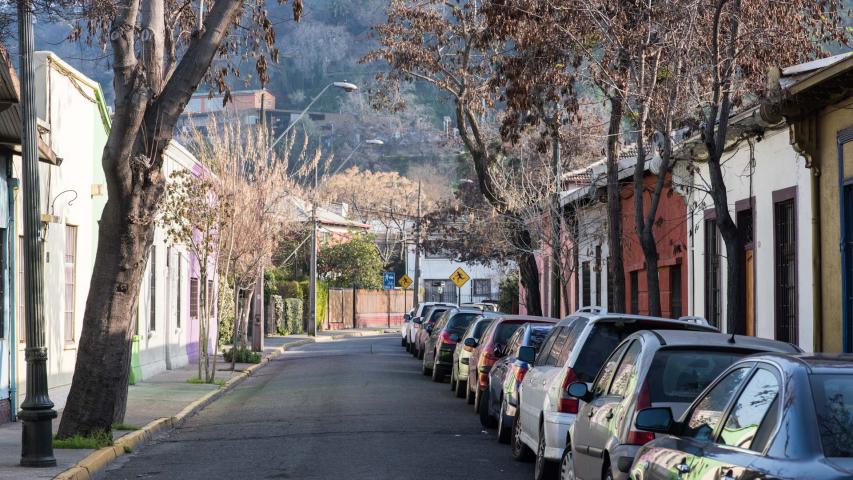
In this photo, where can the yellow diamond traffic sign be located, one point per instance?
(405, 282)
(459, 277)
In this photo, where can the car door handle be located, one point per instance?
(683, 467)
(609, 414)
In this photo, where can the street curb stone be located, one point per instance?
(98, 460)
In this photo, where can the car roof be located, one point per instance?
(527, 318)
(819, 363)
(688, 338)
(624, 317)
(467, 310)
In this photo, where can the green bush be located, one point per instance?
(244, 355)
(291, 321)
(290, 289)
(322, 300)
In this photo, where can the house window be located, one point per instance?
(482, 287)
(587, 284)
(787, 324)
(712, 273)
(598, 275)
(152, 289)
(70, 280)
(675, 291)
(193, 297)
(635, 293)
(19, 293)
(180, 288)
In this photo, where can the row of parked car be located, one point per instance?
(602, 395)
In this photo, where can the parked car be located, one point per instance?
(574, 351)
(488, 350)
(404, 328)
(462, 353)
(425, 329)
(506, 375)
(767, 416)
(439, 346)
(650, 368)
(417, 319)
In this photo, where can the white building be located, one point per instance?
(769, 188)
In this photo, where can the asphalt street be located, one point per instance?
(351, 409)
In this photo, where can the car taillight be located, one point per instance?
(445, 337)
(520, 372)
(637, 437)
(568, 404)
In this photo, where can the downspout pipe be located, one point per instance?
(817, 280)
(12, 186)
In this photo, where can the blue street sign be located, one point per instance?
(389, 280)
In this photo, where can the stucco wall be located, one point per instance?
(830, 122)
(777, 166)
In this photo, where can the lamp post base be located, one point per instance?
(37, 438)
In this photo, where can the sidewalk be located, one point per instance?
(158, 404)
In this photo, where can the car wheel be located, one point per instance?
(469, 395)
(567, 464)
(461, 388)
(402, 341)
(519, 450)
(504, 432)
(486, 420)
(437, 377)
(424, 370)
(478, 397)
(453, 380)
(543, 469)
(421, 352)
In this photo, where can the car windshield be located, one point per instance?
(833, 399)
(460, 322)
(537, 336)
(480, 327)
(680, 375)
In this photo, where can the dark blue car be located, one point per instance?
(769, 416)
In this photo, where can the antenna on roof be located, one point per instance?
(732, 338)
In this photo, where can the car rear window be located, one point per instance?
(460, 322)
(606, 335)
(678, 375)
(833, 399)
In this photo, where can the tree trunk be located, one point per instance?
(529, 270)
(616, 265)
(735, 266)
(237, 315)
(98, 393)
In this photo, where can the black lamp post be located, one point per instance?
(37, 411)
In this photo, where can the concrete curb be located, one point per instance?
(87, 468)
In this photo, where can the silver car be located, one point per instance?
(459, 369)
(574, 351)
(415, 323)
(651, 368)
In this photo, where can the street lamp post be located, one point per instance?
(37, 411)
(312, 284)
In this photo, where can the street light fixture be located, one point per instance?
(372, 141)
(345, 86)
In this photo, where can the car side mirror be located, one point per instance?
(498, 351)
(454, 337)
(407, 317)
(471, 342)
(419, 320)
(527, 354)
(657, 419)
(428, 328)
(580, 391)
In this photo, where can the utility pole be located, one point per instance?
(417, 285)
(312, 284)
(37, 411)
(556, 227)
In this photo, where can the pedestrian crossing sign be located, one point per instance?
(405, 282)
(459, 277)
